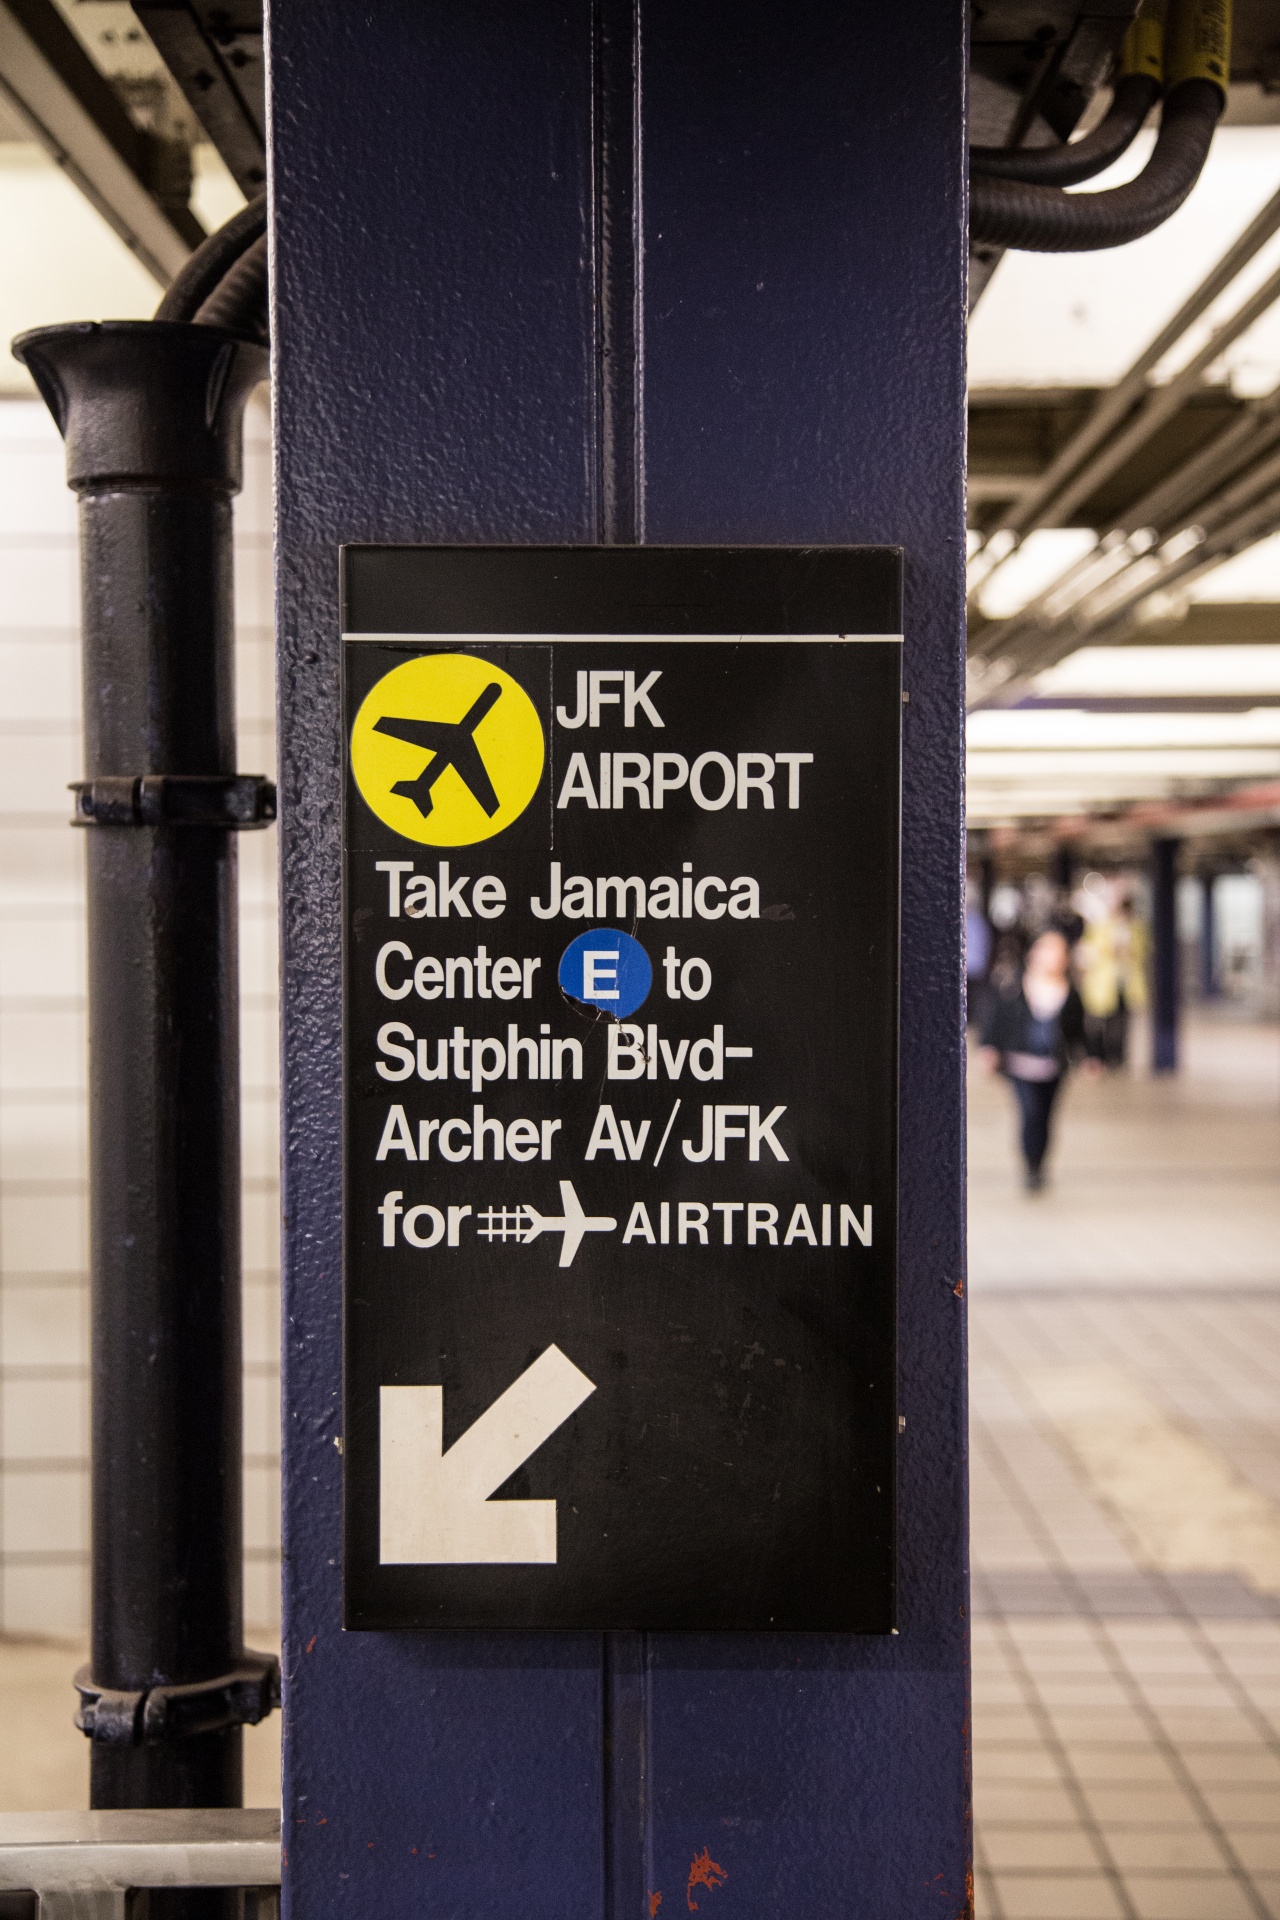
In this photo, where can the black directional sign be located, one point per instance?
(620, 920)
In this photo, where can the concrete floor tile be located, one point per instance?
(998, 1725)
(1057, 1897)
(1163, 1849)
(1002, 1692)
(1206, 1726)
(1015, 1763)
(1121, 1804)
(984, 1906)
(44, 1758)
(1253, 1665)
(1032, 1803)
(1268, 1886)
(1196, 1692)
(1244, 1636)
(1120, 1765)
(1233, 1766)
(1061, 1631)
(1051, 1658)
(1100, 1725)
(1188, 1896)
(1152, 1638)
(1041, 1850)
(1147, 1657)
(1257, 1848)
(1243, 1806)
(1081, 1690)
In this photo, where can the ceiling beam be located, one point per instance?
(57, 92)
(215, 55)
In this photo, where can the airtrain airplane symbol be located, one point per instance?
(573, 1223)
(451, 744)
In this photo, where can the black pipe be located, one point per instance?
(1067, 165)
(1009, 213)
(151, 414)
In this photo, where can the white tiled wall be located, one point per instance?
(44, 1390)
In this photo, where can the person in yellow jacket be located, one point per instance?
(1112, 963)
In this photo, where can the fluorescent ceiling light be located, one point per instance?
(1252, 575)
(1021, 729)
(1155, 672)
(1154, 765)
(1036, 565)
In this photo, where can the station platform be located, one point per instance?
(1125, 1422)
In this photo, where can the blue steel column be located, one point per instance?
(1166, 990)
(1210, 983)
(568, 273)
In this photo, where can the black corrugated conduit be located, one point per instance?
(1044, 219)
(239, 301)
(1067, 165)
(200, 280)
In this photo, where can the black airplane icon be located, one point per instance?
(451, 744)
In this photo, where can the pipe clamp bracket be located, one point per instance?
(153, 1716)
(231, 800)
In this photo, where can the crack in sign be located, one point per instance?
(703, 1872)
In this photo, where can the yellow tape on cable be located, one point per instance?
(1143, 50)
(1198, 42)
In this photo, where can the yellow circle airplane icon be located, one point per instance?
(447, 749)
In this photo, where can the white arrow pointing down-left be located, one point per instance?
(436, 1509)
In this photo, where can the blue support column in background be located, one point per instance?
(585, 273)
(1165, 970)
(1210, 980)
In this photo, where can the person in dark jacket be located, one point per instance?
(1033, 1032)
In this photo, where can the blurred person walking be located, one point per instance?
(1034, 1030)
(1112, 959)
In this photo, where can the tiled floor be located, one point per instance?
(1126, 1498)
(1157, 1183)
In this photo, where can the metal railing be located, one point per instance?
(87, 1866)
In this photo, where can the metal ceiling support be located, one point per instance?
(76, 115)
(1242, 529)
(1245, 439)
(1100, 602)
(215, 55)
(1163, 402)
(1039, 505)
(1095, 597)
(1165, 510)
